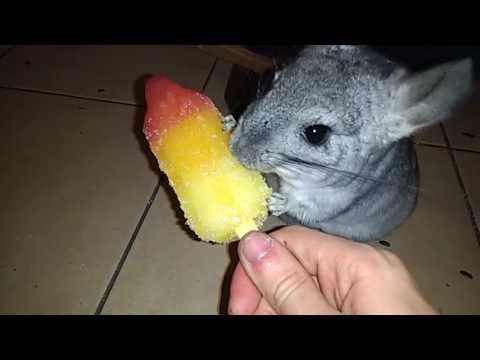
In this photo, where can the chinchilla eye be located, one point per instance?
(317, 134)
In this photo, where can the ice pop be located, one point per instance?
(221, 199)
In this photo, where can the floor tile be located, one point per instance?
(438, 241)
(469, 167)
(168, 271)
(431, 136)
(217, 84)
(107, 72)
(463, 129)
(74, 182)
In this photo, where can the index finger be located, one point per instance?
(314, 248)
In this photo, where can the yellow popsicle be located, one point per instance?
(221, 199)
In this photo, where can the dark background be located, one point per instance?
(243, 84)
(412, 56)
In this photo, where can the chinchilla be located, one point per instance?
(333, 134)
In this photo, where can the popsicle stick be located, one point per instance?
(245, 228)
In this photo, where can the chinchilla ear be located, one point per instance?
(423, 99)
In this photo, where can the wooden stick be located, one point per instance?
(245, 228)
(239, 55)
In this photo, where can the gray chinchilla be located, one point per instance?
(335, 128)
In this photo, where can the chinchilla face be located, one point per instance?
(340, 106)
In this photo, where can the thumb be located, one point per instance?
(280, 277)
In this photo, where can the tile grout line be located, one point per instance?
(53, 93)
(466, 150)
(126, 251)
(445, 147)
(214, 65)
(468, 204)
(430, 145)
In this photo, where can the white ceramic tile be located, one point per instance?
(463, 129)
(438, 241)
(167, 271)
(469, 167)
(74, 183)
(431, 136)
(107, 72)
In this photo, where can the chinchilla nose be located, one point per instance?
(246, 149)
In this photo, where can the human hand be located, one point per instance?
(301, 271)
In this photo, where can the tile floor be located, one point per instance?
(88, 224)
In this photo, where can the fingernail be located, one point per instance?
(256, 246)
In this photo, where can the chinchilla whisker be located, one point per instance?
(286, 160)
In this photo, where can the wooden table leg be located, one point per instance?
(240, 56)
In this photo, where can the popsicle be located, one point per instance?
(221, 199)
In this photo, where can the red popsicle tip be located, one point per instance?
(168, 103)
